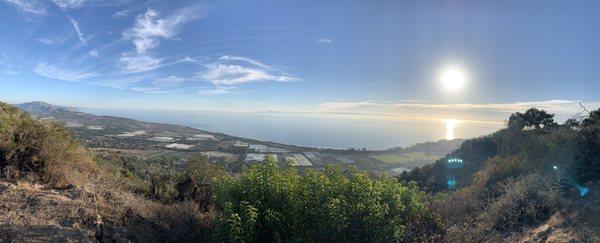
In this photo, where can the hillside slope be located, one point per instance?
(508, 184)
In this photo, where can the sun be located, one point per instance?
(453, 78)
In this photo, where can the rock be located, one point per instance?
(542, 232)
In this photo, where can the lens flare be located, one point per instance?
(454, 163)
(582, 190)
(451, 183)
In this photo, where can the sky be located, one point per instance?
(360, 58)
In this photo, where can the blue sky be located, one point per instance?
(351, 57)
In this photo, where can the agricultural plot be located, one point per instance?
(341, 159)
(202, 137)
(131, 134)
(162, 139)
(298, 160)
(314, 158)
(404, 157)
(271, 149)
(255, 157)
(217, 154)
(260, 148)
(179, 146)
(241, 144)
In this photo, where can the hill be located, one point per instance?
(174, 143)
(506, 184)
(528, 182)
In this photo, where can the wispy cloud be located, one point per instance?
(11, 72)
(28, 6)
(94, 53)
(149, 90)
(161, 85)
(492, 112)
(222, 74)
(149, 28)
(245, 59)
(324, 41)
(77, 29)
(69, 4)
(120, 82)
(75, 4)
(226, 73)
(50, 40)
(216, 91)
(135, 63)
(234, 70)
(120, 14)
(170, 80)
(56, 72)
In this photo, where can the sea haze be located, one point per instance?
(330, 131)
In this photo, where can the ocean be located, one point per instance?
(327, 131)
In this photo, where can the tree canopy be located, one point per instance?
(531, 118)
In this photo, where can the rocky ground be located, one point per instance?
(32, 213)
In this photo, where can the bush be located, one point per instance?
(525, 202)
(267, 203)
(41, 150)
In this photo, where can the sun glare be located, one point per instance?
(453, 78)
(450, 125)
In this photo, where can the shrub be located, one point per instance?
(267, 203)
(40, 149)
(525, 202)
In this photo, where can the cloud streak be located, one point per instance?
(231, 71)
(324, 41)
(31, 7)
(133, 63)
(55, 72)
(77, 29)
(479, 112)
(76, 4)
(216, 91)
(69, 4)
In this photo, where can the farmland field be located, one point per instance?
(404, 157)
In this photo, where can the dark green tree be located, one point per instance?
(531, 118)
(571, 122)
(592, 119)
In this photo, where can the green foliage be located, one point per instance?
(515, 178)
(593, 119)
(202, 171)
(268, 203)
(531, 118)
(404, 157)
(524, 202)
(40, 149)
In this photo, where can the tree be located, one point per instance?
(571, 122)
(517, 121)
(592, 119)
(531, 118)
